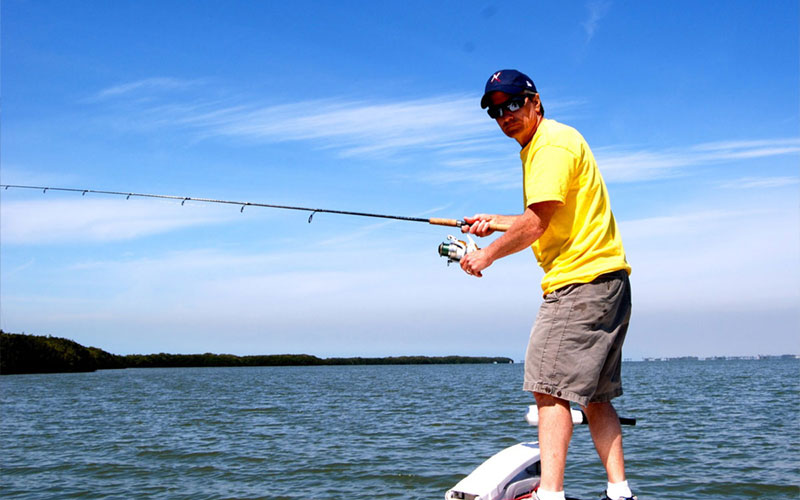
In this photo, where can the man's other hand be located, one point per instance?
(475, 262)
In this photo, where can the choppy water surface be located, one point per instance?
(707, 430)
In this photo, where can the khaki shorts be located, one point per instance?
(575, 349)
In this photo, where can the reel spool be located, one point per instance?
(455, 249)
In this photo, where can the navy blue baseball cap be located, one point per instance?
(509, 81)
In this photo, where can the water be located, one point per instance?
(707, 430)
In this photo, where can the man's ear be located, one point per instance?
(537, 103)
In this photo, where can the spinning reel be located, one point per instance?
(455, 249)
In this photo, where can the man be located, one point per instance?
(575, 348)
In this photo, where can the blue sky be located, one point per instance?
(691, 110)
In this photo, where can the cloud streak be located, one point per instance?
(450, 126)
(760, 182)
(148, 85)
(351, 127)
(597, 10)
(626, 165)
(358, 128)
(630, 165)
(725, 259)
(314, 297)
(83, 220)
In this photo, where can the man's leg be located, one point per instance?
(607, 436)
(555, 432)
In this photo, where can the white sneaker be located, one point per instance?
(606, 497)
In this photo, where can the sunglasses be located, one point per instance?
(511, 105)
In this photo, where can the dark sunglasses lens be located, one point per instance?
(510, 105)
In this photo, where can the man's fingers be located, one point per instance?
(470, 223)
(478, 225)
(481, 228)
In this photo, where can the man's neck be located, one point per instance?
(528, 138)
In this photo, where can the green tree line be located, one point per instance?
(20, 353)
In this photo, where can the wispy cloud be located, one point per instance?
(683, 261)
(502, 171)
(760, 182)
(450, 126)
(597, 10)
(350, 127)
(96, 221)
(681, 256)
(630, 165)
(26, 174)
(149, 85)
(85, 220)
(356, 127)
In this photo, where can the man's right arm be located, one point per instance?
(523, 231)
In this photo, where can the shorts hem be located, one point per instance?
(605, 398)
(552, 390)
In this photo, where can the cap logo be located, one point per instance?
(496, 77)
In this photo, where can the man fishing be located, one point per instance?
(575, 349)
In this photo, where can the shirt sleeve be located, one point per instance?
(548, 175)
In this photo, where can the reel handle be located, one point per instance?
(458, 223)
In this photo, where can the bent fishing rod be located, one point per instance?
(454, 249)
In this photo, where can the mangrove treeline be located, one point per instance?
(21, 353)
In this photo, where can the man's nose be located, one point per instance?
(502, 120)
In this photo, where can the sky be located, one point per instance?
(691, 109)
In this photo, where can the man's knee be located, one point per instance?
(603, 407)
(603, 413)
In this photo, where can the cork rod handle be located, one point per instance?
(458, 223)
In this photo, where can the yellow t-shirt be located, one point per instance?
(582, 241)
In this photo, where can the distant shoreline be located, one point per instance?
(21, 353)
(24, 353)
(723, 358)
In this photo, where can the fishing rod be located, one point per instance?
(454, 250)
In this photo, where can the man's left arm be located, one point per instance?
(525, 229)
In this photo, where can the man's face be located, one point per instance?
(520, 124)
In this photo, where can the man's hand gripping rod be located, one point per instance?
(458, 223)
